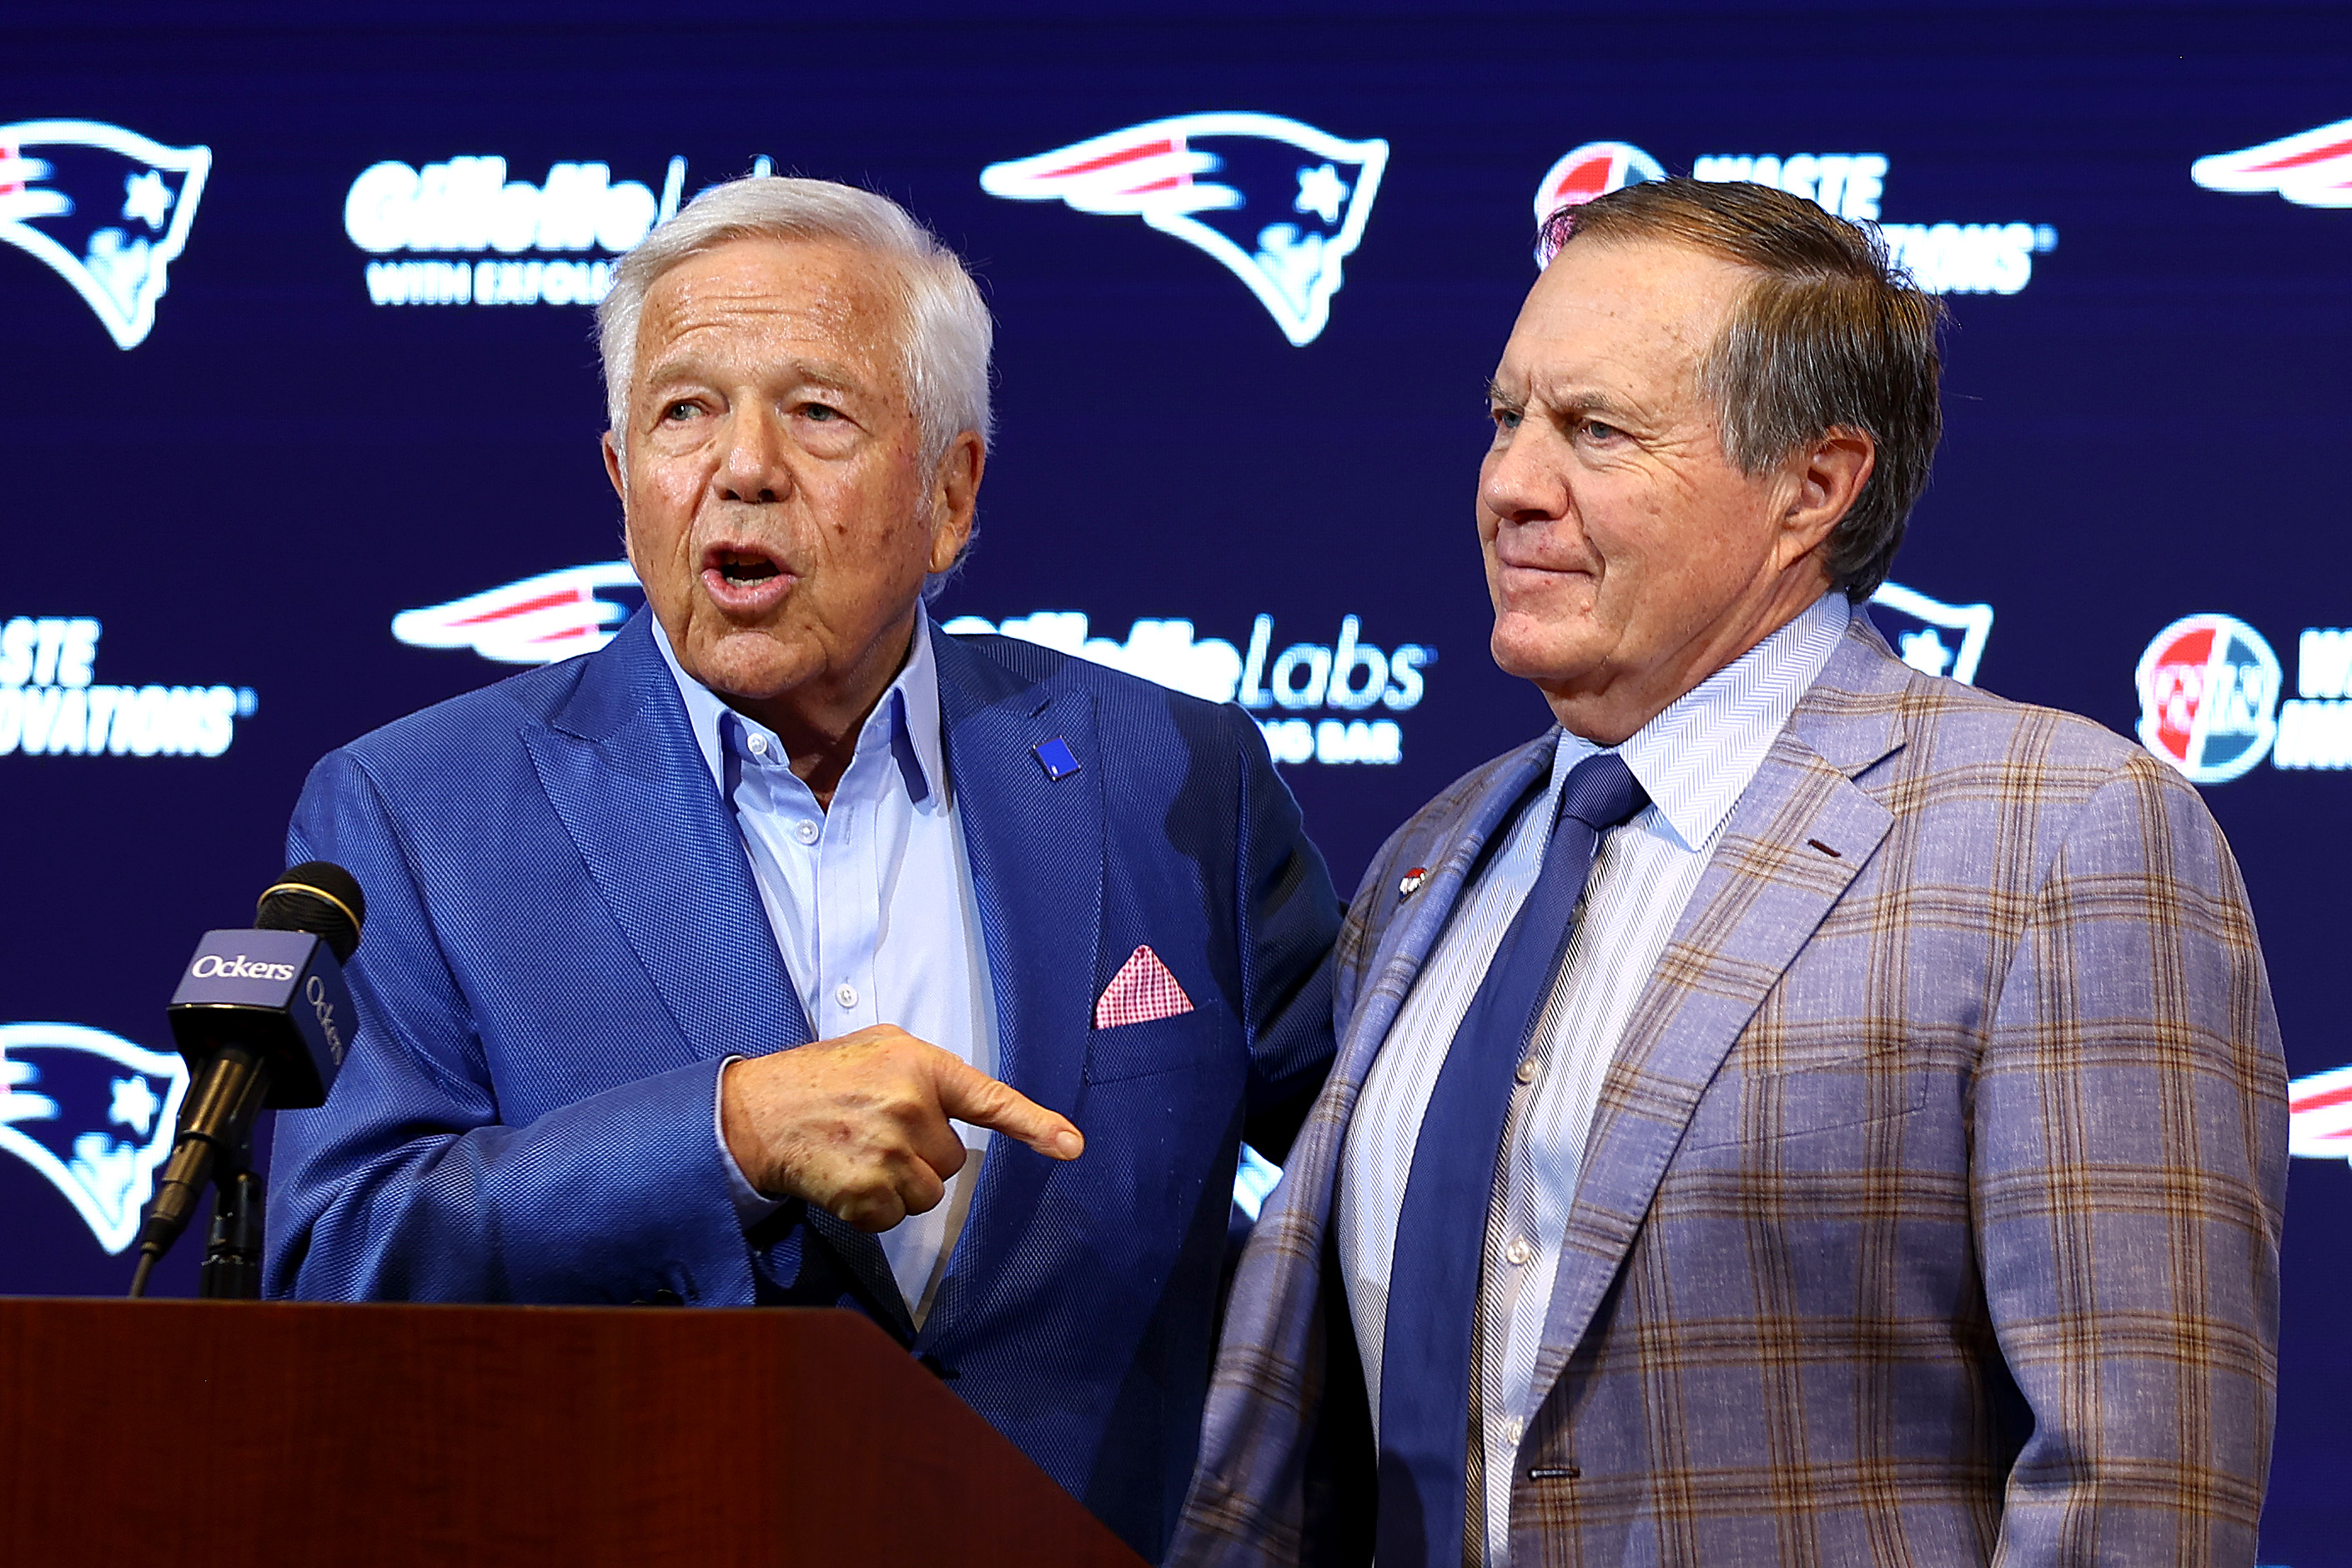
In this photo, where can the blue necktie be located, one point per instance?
(1440, 1232)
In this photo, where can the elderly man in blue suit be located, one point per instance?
(1799, 1111)
(787, 951)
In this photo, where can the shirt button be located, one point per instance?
(846, 995)
(1519, 1251)
(759, 744)
(805, 832)
(1530, 1070)
(1513, 1430)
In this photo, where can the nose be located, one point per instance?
(753, 470)
(1521, 481)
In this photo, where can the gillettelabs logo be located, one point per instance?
(1348, 674)
(1280, 204)
(1942, 257)
(51, 704)
(106, 208)
(468, 206)
(2310, 168)
(94, 1114)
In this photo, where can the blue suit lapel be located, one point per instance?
(1765, 891)
(627, 778)
(629, 785)
(1036, 847)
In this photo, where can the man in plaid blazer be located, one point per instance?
(1891, 1168)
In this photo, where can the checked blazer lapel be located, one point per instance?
(627, 780)
(1036, 847)
(1802, 832)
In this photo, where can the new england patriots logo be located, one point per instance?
(1281, 204)
(556, 615)
(105, 207)
(1930, 635)
(93, 1113)
(2310, 168)
(2319, 1115)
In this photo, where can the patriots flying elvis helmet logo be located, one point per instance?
(2311, 168)
(538, 620)
(107, 208)
(93, 1113)
(1281, 204)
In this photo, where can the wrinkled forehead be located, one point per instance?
(792, 298)
(1640, 309)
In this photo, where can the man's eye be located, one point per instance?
(681, 409)
(1599, 431)
(819, 411)
(1506, 419)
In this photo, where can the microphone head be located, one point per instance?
(318, 897)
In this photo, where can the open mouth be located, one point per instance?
(740, 567)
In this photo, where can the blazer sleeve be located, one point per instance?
(408, 1185)
(1287, 920)
(2128, 1178)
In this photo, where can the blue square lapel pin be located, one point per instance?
(1055, 757)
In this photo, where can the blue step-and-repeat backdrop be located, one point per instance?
(299, 413)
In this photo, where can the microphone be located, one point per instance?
(263, 1018)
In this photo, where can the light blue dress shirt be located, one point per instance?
(1694, 760)
(871, 902)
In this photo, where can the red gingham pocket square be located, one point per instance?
(1141, 991)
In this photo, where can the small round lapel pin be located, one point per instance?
(1412, 881)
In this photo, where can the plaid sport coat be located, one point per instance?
(1930, 1213)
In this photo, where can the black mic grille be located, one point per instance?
(319, 897)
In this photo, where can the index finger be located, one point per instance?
(970, 1095)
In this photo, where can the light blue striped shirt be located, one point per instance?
(871, 902)
(1694, 760)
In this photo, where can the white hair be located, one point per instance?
(947, 334)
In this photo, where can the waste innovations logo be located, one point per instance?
(538, 231)
(2310, 168)
(106, 208)
(51, 705)
(1280, 204)
(1941, 258)
(94, 1114)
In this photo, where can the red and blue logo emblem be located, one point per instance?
(106, 208)
(1281, 204)
(1592, 170)
(2310, 168)
(539, 620)
(2209, 692)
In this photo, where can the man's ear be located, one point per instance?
(955, 498)
(614, 468)
(1827, 477)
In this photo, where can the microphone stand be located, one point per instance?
(232, 1266)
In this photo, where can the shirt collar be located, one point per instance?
(1697, 757)
(907, 720)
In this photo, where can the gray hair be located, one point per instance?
(1832, 336)
(948, 332)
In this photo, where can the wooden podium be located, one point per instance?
(199, 1433)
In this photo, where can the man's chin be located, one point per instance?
(750, 664)
(1541, 651)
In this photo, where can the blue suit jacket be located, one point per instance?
(565, 941)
